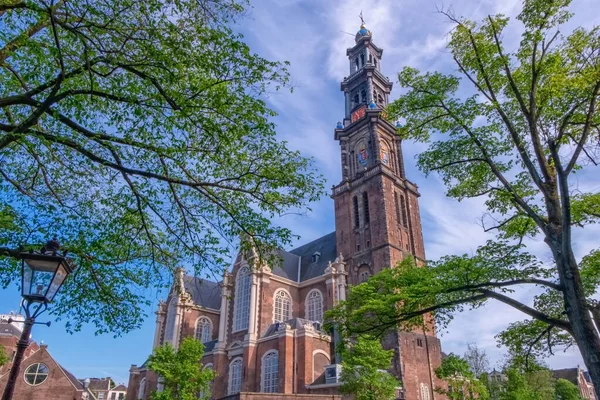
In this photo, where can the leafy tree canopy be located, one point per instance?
(364, 370)
(565, 390)
(182, 374)
(137, 132)
(461, 380)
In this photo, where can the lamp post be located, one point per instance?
(42, 274)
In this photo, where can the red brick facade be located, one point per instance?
(260, 313)
(59, 384)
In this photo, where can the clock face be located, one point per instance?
(358, 114)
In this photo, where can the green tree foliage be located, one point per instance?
(461, 380)
(513, 128)
(3, 356)
(137, 132)
(565, 390)
(517, 387)
(364, 371)
(182, 374)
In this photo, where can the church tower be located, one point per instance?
(376, 208)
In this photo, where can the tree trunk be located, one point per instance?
(584, 330)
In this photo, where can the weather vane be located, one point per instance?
(362, 20)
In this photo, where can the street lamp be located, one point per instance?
(42, 274)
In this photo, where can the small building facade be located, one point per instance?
(41, 376)
(579, 378)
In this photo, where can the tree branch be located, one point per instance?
(565, 325)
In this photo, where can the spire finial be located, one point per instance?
(362, 20)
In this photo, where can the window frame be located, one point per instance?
(273, 382)
(141, 388)
(290, 305)
(170, 322)
(356, 212)
(366, 212)
(36, 374)
(307, 305)
(208, 326)
(241, 312)
(236, 361)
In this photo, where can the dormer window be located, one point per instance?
(315, 257)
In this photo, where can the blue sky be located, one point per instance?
(313, 36)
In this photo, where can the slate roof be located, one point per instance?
(209, 346)
(74, 381)
(204, 292)
(119, 388)
(208, 293)
(294, 323)
(7, 329)
(326, 246)
(289, 267)
(570, 374)
(99, 384)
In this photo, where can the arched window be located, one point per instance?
(362, 59)
(403, 211)
(203, 329)
(170, 325)
(269, 375)
(314, 306)
(356, 220)
(380, 100)
(425, 392)
(235, 376)
(363, 95)
(398, 218)
(141, 389)
(356, 63)
(367, 217)
(283, 306)
(364, 276)
(242, 299)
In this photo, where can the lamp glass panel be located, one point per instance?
(57, 281)
(37, 276)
